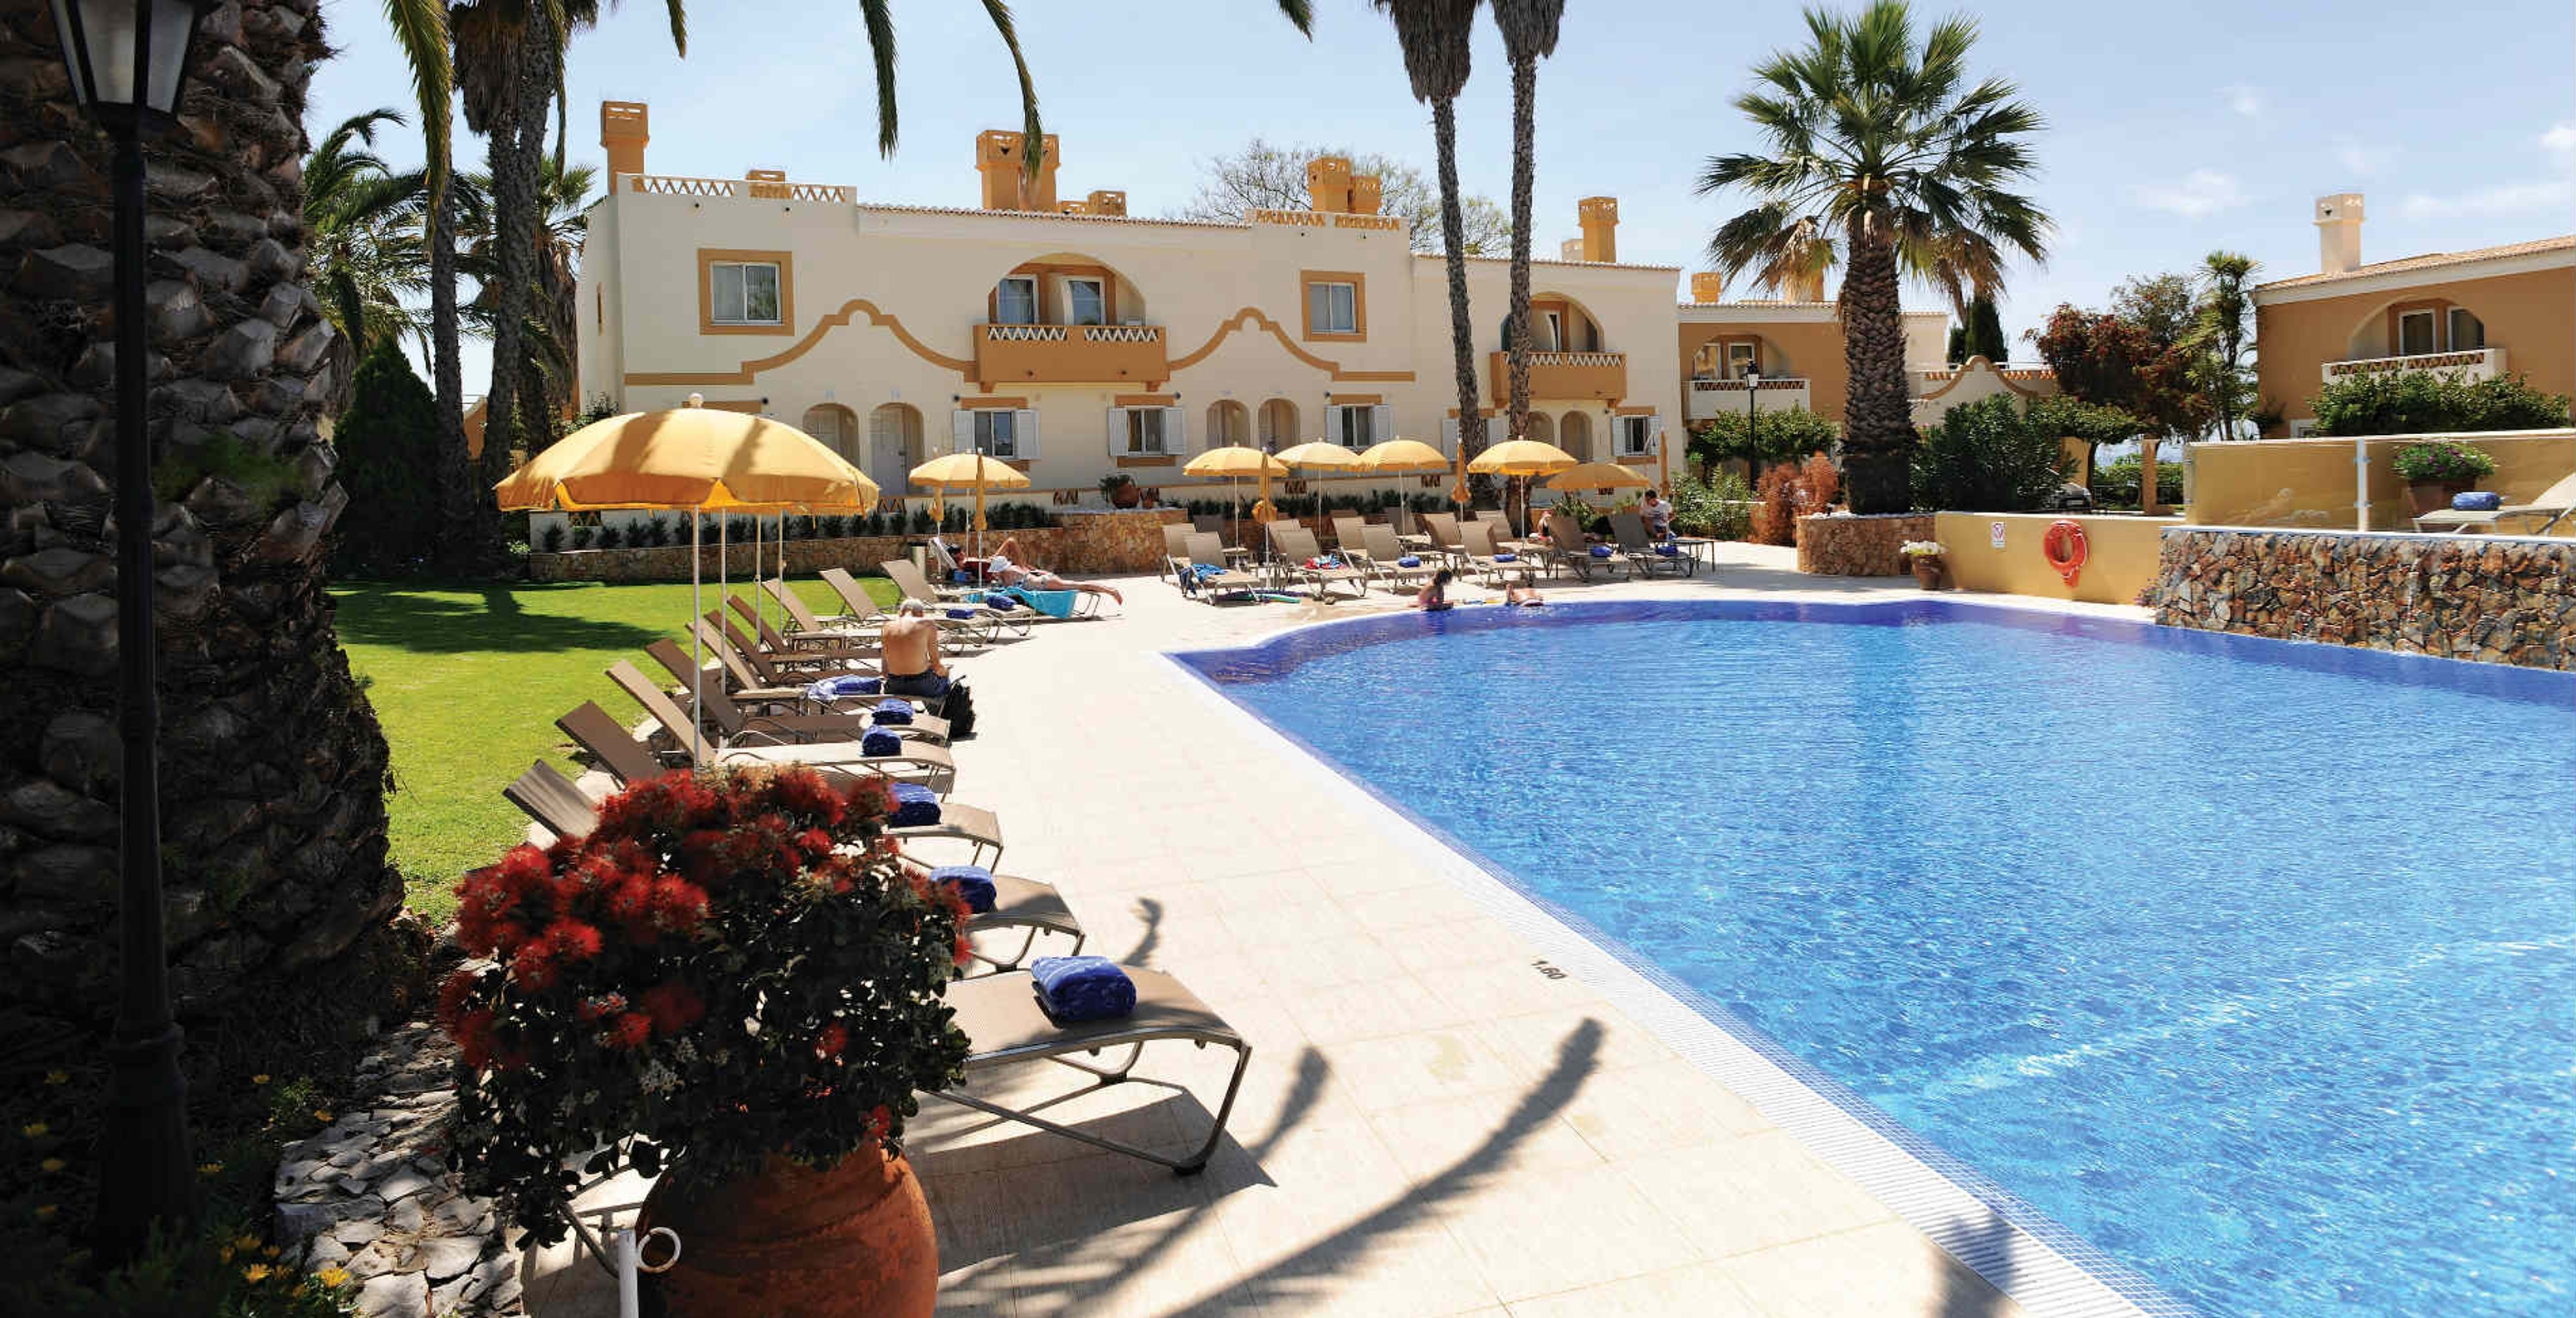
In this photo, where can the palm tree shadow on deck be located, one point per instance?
(413, 618)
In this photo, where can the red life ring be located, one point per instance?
(2064, 548)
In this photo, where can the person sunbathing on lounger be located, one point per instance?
(1434, 595)
(912, 663)
(1522, 595)
(1001, 571)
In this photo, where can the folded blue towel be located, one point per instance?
(1205, 571)
(974, 883)
(961, 577)
(2478, 501)
(881, 741)
(1668, 551)
(1507, 558)
(1409, 560)
(962, 615)
(1083, 988)
(834, 688)
(893, 713)
(915, 806)
(1601, 551)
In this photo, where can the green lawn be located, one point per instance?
(468, 681)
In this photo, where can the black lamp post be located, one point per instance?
(128, 60)
(1752, 458)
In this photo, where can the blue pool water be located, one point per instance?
(2251, 963)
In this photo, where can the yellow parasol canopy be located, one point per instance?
(1235, 460)
(1322, 455)
(1397, 457)
(687, 457)
(1596, 476)
(968, 471)
(1521, 457)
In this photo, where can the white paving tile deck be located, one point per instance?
(1430, 1125)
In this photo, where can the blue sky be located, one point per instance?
(2172, 130)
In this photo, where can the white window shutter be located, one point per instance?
(1117, 431)
(1381, 424)
(1176, 433)
(1333, 422)
(962, 430)
(1449, 435)
(1655, 432)
(1024, 433)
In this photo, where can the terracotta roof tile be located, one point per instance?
(2431, 260)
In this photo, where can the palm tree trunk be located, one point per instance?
(517, 146)
(272, 767)
(458, 497)
(1878, 425)
(1524, 168)
(1453, 238)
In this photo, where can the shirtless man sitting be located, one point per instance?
(912, 662)
(1001, 571)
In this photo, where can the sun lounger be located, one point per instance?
(1482, 558)
(1639, 548)
(1215, 579)
(1176, 551)
(985, 627)
(555, 802)
(1350, 535)
(732, 722)
(628, 760)
(2554, 503)
(1296, 547)
(1570, 549)
(777, 668)
(938, 600)
(820, 645)
(926, 763)
(1008, 1026)
(1380, 551)
(1443, 530)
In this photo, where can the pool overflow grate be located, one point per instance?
(2041, 1265)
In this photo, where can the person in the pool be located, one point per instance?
(1523, 596)
(1001, 571)
(1434, 595)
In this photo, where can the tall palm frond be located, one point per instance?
(1435, 36)
(420, 32)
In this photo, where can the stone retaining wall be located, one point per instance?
(1081, 544)
(2499, 599)
(1847, 546)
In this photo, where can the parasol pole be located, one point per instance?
(697, 637)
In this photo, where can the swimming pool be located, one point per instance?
(2251, 963)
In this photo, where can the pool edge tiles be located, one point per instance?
(2041, 1265)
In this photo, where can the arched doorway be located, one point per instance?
(894, 446)
(1228, 423)
(1278, 424)
(837, 427)
(1574, 435)
(1542, 427)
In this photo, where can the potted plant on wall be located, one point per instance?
(1120, 489)
(1924, 559)
(2436, 470)
(734, 985)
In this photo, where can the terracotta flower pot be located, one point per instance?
(1927, 570)
(853, 1241)
(2431, 496)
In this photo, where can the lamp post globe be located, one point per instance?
(129, 62)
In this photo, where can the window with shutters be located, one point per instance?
(1145, 431)
(1336, 304)
(1357, 427)
(1636, 436)
(2468, 333)
(743, 292)
(1086, 301)
(997, 433)
(1015, 301)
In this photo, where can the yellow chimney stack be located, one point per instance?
(1366, 194)
(622, 135)
(1000, 159)
(1600, 228)
(1708, 286)
(1570, 250)
(1105, 201)
(767, 182)
(1328, 184)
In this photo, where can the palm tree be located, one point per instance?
(548, 336)
(1434, 35)
(1529, 35)
(273, 768)
(1892, 148)
(2220, 331)
(366, 257)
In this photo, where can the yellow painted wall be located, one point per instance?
(2527, 314)
(2121, 562)
(2308, 483)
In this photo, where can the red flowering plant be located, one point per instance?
(733, 965)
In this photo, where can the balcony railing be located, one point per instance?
(1601, 375)
(1703, 399)
(2472, 364)
(1070, 354)
(669, 185)
(1324, 219)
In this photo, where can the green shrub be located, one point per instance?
(1771, 438)
(1720, 508)
(582, 535)
(2442, 464)
(388, 444)
(1986, 457)
(611, 538)
(553, 539)
(2116, 483)
(2433, 403)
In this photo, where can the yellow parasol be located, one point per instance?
(1234, 461)
(688, 457)
(1596, 476)
(1521, 457)
(1320, 455)
(968, 471)
(1398, 457)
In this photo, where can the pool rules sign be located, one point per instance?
(1995, 534)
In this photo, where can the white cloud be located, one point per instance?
(2504, 199)
(2561, 141)
(2244, 100)
(2202, 192)
(2359, 160)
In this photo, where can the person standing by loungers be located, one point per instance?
(1658, 514)
(912, 663)
(1001, 571)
